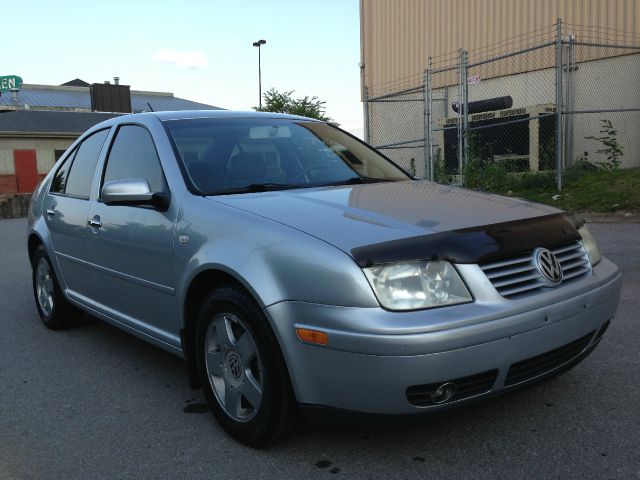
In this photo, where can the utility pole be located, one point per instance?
(259, 44)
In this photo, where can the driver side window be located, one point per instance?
(133, 155)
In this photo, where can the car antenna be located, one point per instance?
(150, 107)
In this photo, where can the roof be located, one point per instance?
(76, 82)
(72, 124)
(50, 121)
(73, 98)
(186, 114)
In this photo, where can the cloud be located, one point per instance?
(182, 59)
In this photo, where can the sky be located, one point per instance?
(199, 50)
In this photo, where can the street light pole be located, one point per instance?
(259, 44)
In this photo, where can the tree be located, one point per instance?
(284, 102)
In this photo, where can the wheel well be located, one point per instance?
(33, 243)
(201, 286)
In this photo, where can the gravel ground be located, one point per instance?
(93, 402)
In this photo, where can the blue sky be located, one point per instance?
(200, 50)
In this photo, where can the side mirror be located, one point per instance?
(134, 191)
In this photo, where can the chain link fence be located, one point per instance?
(396, 122)
(524, 112)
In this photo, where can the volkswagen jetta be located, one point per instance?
(292, 266)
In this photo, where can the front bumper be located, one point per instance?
(368, 366)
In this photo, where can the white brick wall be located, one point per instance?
(6, 161)
(46, 158)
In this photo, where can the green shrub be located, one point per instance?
(439, 173)
(611, 149)
(579, 169)
(492, 177)
(535, 180)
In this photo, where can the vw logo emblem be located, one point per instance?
(235, 365)
(548, 265)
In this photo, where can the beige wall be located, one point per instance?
(397, 36)
(44, 148)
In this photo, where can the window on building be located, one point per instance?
(58, 154)
(133, 155)
(82, 169)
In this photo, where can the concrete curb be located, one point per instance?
(613, 217)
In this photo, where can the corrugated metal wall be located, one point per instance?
(397, 36)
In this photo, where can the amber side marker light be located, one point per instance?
(312, 336)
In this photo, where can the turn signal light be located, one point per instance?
(312, 336)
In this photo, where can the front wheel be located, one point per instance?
(242, 371)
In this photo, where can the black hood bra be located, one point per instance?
(476, 244)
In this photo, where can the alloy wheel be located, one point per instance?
(233, 367)
(44, 287)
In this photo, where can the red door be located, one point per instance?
(26, 170)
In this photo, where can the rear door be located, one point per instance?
(132, 248)
(66, 207)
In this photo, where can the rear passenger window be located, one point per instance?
(133, 155)
(80, 175)
(60, 178)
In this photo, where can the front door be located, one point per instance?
(131, 247)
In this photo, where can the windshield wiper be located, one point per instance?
(359, 180)
(256, 187)
(271, 187)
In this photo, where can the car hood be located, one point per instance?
(354, 216)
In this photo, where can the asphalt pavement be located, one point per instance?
(94, 402)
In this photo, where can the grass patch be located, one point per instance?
(584, 189)
(597, 192)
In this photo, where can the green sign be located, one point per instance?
(10, 82)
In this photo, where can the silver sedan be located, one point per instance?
(295, 267)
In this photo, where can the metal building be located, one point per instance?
(529, 85)
(397, 36)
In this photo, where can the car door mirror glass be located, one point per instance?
(133, 191)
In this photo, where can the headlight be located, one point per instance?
(415, 285)
(590, 245)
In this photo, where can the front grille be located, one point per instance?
(519, 276)
(420, 395)
(541, 364)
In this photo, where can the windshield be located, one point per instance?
(240, 155)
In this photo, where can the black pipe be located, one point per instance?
(488, 105)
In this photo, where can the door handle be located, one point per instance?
(94, 222)
(51, 212)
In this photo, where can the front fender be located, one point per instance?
(274, 262)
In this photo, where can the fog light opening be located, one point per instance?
(444, 393)
(602, 330)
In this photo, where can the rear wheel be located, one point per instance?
(242, 371)
(54, 310)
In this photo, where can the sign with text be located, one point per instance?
(473, 80)
(10, 82)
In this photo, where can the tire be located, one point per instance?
(242, 372)
(55, 311)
